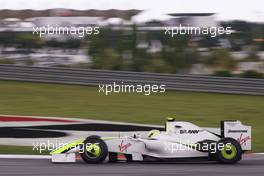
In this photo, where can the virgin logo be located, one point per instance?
(243, 140)
(123, 147)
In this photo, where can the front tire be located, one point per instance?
(231, 152)
(94, 150)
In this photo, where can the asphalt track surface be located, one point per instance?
(251, 165)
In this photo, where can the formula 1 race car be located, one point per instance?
(180, 140)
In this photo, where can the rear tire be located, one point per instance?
(94, 150)
(231, 153)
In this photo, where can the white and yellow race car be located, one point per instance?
(180, 140)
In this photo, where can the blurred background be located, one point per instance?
(134, 40)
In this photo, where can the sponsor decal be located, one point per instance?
(237, 131)
(243, 140)
(190, 131)
(123, 147)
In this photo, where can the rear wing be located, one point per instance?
(236, 130)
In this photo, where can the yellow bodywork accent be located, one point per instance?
(74, 144)
(108, 138)
(67, 146)
(153, 133)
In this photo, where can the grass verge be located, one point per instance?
(205, 109)
(8, 149)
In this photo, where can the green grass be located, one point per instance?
(205, 109)
(7, 149)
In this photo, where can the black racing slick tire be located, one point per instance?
(94, 150)
(231, 152)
